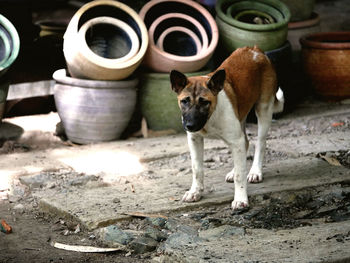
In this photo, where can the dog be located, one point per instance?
(216, 105)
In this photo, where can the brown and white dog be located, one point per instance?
(217, 105)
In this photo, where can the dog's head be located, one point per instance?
(197, 97)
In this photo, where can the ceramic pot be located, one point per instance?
(300, 9)
(298, 29)
(9, 49)
(326, 63)
(159, 15)
(93, 111)
(171, 34)
(159, 102)
(81, 63)
(235, 33)
(122, 45)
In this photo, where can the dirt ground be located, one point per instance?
(33, 231)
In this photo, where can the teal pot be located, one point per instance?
(104, 40)
(178, 51)
(9, 44)
(236, 31)
(298, 29)
(94, 111)
(159, 102)
(300, 9)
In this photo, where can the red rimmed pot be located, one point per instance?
(81, 64)
(160, 61)
(326, 63)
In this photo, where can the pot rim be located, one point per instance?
(280, 6)
(162, 18)
(61, 77)
(190, 33)
(166, 76)
(107, 62)
(314, 40)
(7, 46)
(257, 12)
(312, 21)
(73, 25)
(211, 21)
(15, 42)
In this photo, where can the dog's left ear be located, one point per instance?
(178, 81)
(216, 82)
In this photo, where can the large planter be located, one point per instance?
(101, 58)
(9, 48)
(298, 29)
(236, 31)
(300, 9)
(326, 63)
(93, 111)
(159, 103)
(159, 15)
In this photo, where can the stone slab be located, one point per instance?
(30, 89)
(318, 243)
(94, 207)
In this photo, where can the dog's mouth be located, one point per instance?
(193, 124)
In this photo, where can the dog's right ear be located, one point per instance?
(178, 81)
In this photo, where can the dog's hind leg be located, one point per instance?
(264, 113)
(196, 145)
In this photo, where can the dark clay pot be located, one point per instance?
(326, 63)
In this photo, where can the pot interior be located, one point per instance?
(108, 41)
(177, 7)
(112, 11)
(179, 43)
(254, 17)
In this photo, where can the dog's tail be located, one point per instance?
(279, 101)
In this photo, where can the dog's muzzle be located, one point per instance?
(194, 120)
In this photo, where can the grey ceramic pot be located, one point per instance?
(93, 111)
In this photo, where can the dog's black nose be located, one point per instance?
(190, 126)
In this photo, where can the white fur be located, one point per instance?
(225, 125)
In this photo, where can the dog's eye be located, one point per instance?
(185, 101)
(203, 102)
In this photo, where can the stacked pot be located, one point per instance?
(104, 44)
(9, 49)
(183, 36)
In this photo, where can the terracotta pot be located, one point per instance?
(179, 32)
(93, 111)
(124, 41)
(298, 29)
(300, 9)
(326, 62)
(159, 15)
(81, 64)
(235, 33)
(159, 103)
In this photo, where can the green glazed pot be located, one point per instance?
(9, 48)
(159, 102)
(235, 33)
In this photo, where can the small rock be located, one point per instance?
(113, 235)
(171, 224)
(82, 180)
(35, 181)
(142, 245)
(19, 208)
(155, 234)
(116, 200)
(157, 221)
(178, 240)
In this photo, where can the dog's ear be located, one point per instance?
(178, 81)
(216, 82)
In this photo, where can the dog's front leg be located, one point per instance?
(238, 148)
(196, 145)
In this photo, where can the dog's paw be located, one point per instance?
(192, 196)
(239, 205)
(230, 177)
(254, 177)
